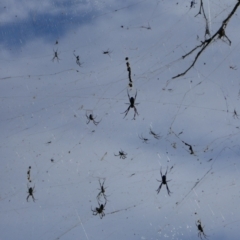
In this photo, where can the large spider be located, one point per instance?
(131, 105)
(102, 191)
(99, 210)
(200, 230)
(121, 154)
(30, 193)
(55, 55)
(164, 181)
(92, 118)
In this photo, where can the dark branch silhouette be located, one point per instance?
(219, 34)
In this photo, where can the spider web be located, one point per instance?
(44, 124)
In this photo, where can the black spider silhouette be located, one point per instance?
(55, 55)
(163, 182)
(92, 118)
(102, 191)
(121, 154)
(200, 230)
(78, 60)
(108, 52)
(235, 115)
(131, 105)
(30, 193)
(99, 210)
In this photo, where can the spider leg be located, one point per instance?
(128, 96)
(159, 188)
(135, 96)
(99, 195)
(88, 121)
(168, 189)
(205, 235)
(135, 110)
(126, 112)
(156, 136)
(28, 197)
(33, 198)
(105, 197)
(101, 184)
(96, 123)
(166, 172)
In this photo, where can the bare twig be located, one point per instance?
(219, 34)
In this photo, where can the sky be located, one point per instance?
(63, 62)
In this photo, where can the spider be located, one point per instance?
(78, 60)
(164, 181)
(148, 27)
(131, 105)
(145, 140)
(102, 191)
(99, 210)
(121, 154)
(55, 55)
(108, 52)
(200, 230)
(30, 193)
(235, 115)
(233, 67)
(155, 135)
(92, 118)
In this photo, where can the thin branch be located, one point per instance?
(219, 34)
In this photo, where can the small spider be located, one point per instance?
(121, 154)
(235, 115)
(99, 210)
(148, 27)
(233, 67)
(131, 105)
(155, 135)
(92, 118)
(55, 55)
(102, 191)
(200, 230)
(108, 52)
(145, 140)
(78, 60)
(30, 193)
(164, 181)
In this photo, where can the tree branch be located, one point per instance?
(219, 34)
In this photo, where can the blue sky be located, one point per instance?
(43, 124)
